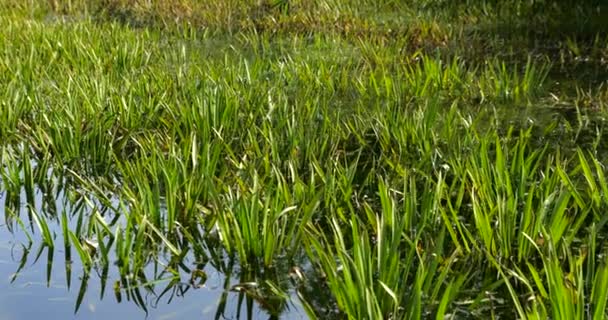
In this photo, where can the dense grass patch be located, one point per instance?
(381, 159)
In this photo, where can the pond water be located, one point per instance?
(36, 282)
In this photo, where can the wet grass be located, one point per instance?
(377, 160)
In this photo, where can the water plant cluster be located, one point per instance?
(369, 159)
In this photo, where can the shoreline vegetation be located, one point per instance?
(370, 159)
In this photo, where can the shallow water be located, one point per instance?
(26, 294)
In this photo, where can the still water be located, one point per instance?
(36, 282)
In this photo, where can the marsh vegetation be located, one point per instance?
(322, 159)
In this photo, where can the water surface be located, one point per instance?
(73, 293)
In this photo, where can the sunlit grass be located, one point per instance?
(316, 147)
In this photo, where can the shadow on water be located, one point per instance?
(570, 34)
(74, 256)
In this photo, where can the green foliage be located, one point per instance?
(407, 167)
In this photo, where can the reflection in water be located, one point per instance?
(77, 257)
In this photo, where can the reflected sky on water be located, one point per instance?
(27, 295)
